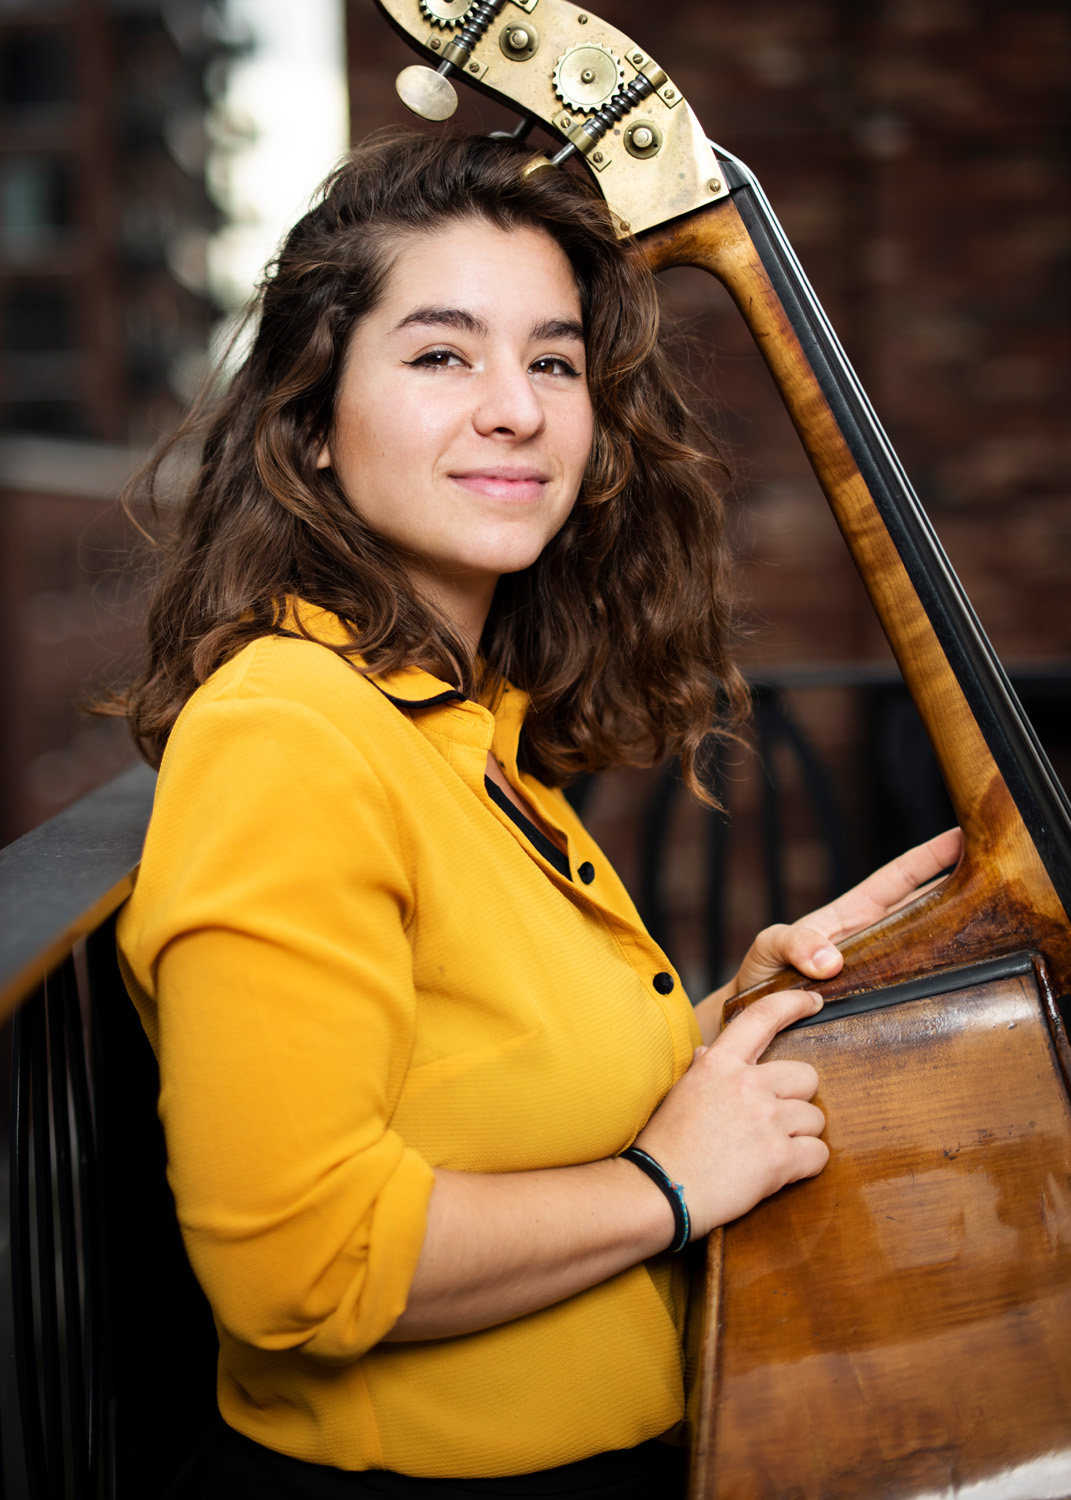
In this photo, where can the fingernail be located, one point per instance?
(816, 997)
(826, 956)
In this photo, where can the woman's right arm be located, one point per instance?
(284, 988)
(731, 1130)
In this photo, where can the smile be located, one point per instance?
(504, 484)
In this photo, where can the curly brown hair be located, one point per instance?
(619, 632)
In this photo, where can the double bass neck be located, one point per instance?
(1013, 884)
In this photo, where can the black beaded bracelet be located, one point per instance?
(674, 1192)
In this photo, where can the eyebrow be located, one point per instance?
(467, 322)
(559, 328)
(444, 317)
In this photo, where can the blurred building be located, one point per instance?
(105, 317)
(104, 214)
(917, 154)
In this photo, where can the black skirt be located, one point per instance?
(232, 1467)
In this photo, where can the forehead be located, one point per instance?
(473, 262)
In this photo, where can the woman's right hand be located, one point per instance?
(733, 1129)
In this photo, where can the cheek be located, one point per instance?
(402, 432)
(365, 438)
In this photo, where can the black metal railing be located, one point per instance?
(56, 888)
(107, 1338)
(776, 732)
(56, 1284)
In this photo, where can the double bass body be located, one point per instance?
(900, 1326)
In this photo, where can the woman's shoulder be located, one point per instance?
(273, 671)
(282, 686)
(297, 680)
(281, 666)
(280, 714)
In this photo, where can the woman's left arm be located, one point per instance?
(809, 944)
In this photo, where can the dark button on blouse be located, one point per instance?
(586, 872)
(663, 982)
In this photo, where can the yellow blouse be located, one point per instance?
(353, 966)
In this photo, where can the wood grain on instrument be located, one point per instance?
(901, 1325)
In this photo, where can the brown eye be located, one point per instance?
(434, 359)
(553, 364)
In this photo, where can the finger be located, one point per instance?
(803, 1119)
(790, 1079)
(888, 888)
(809, 1156)
(806, 948)
(748, 1035)
(766, 954)
(809, 945)
(809, 950)
(902, 877)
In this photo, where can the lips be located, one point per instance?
(520, 484)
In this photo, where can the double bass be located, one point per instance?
(899, 1326)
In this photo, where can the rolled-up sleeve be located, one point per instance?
(270, 925)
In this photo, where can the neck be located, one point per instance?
(463, 602)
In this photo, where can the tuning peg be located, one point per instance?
(426, 92)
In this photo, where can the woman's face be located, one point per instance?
(463, 421)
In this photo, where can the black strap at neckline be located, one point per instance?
(546, 847)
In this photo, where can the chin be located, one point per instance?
(515, 558)
(519, 566)
(507, 559)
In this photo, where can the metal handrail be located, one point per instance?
(60, 882)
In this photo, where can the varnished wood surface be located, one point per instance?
(901, 1326)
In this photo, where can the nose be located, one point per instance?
(508, 404)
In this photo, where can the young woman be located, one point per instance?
(453, 540)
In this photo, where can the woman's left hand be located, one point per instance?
(809, 944)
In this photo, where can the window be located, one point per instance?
(38, 319)
(36, 73)
(36, 204)
(62, 418)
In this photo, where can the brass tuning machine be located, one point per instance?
(428, 92)
(606, 100)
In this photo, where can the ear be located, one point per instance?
(324, 460)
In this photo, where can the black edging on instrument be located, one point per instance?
(1041, 800)
(940, 982)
